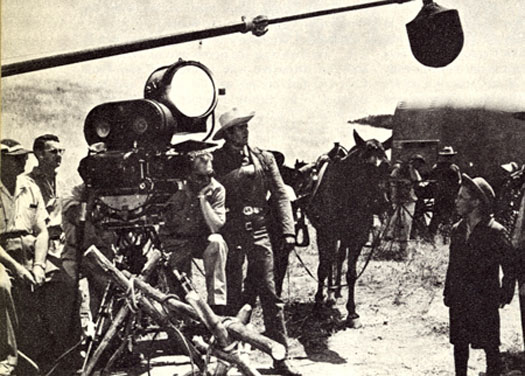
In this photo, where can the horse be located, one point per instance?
(341, 208)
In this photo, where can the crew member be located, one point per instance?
(194, 216)
(58, 296)
(89, 279)
(447, 177)
(250, 176)
(48, 152)
(25, 238)
(405, 177)
(473, 292)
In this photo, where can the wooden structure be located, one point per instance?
(486, 132)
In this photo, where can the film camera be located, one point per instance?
(132, 166)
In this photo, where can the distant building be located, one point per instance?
(485, 133)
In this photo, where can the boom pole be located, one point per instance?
(257, 26)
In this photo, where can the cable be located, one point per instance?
(212, 127)
(179, 333)
(149, 352)
(198, 267)
(61, 357)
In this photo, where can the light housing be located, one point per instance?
(187, 88)
(435, 35)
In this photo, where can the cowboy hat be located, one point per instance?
(447, 150)
(231, 118)
(12, 147)
(481, 188)
(418, 157)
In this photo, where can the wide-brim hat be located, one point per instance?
(232, 118)
(418, 157)
(12, 147)
(481, 188)
(447, 150)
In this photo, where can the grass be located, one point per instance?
(30, 109)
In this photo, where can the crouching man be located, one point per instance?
(473, 291)
(194, 215)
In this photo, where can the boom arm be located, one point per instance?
(257, 26)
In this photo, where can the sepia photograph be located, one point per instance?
(262, 188)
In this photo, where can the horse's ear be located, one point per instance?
(387, 144)
(358, 140)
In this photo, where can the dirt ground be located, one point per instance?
(405, 324)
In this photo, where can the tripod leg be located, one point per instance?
(110, 334)
(121, 347)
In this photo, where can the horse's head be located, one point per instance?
(370, 151)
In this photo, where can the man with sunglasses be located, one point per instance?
(48, 152)
(24, 237)
(58, 295)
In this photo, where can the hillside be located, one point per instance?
(30, 109)
(377, 121)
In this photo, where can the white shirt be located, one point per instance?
(24, 211)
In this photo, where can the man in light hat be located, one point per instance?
(250, 176)
(23, 250)
(194, 215)
(447, 178)
(473, 290)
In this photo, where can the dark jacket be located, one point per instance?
(244, 190)
(448, 180)
(472, 287)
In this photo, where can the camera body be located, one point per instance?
(132, 167)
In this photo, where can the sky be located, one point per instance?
(319, 72)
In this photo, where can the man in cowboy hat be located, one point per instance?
(473, 291)
(23, 234)
(250, 176)
(447, 178)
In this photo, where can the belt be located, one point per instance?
(13, 234)
(254, 222)
(254, 226)
(249, 218)
(251, 210)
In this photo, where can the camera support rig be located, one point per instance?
(131, 171)
(164, 309)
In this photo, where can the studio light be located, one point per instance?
(178, 99)
(186, 87)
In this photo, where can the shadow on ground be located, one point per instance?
(312, 327)
(513, 361)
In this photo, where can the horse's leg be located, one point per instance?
(334, 250)
(323, 270)
(354, 249)
(341, 256)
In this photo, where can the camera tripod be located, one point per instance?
(131, 303)
(403, 224)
